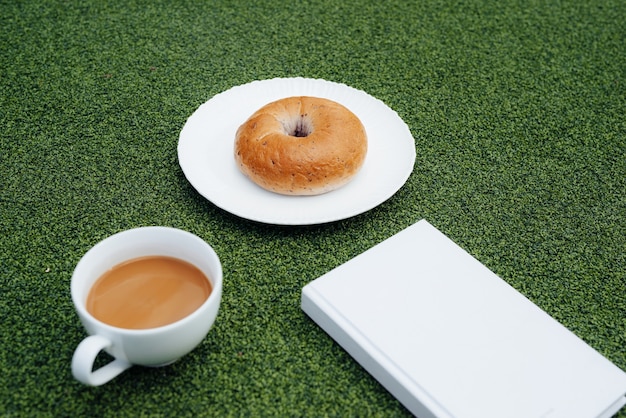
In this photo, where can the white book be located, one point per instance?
(449, 338)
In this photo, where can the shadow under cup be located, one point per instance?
(147, 347)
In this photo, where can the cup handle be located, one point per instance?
(84, 357)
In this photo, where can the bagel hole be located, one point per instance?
(299, 127)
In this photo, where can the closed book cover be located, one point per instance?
(449, 338)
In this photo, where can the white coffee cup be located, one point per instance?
(147, 347)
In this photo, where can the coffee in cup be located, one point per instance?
(148, 292)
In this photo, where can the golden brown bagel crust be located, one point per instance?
(301, 146)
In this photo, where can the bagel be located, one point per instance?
(301, 146)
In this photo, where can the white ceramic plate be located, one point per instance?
(205, 154)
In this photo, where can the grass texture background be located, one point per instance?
(518, 113)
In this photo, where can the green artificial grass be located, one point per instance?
(517, 110)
